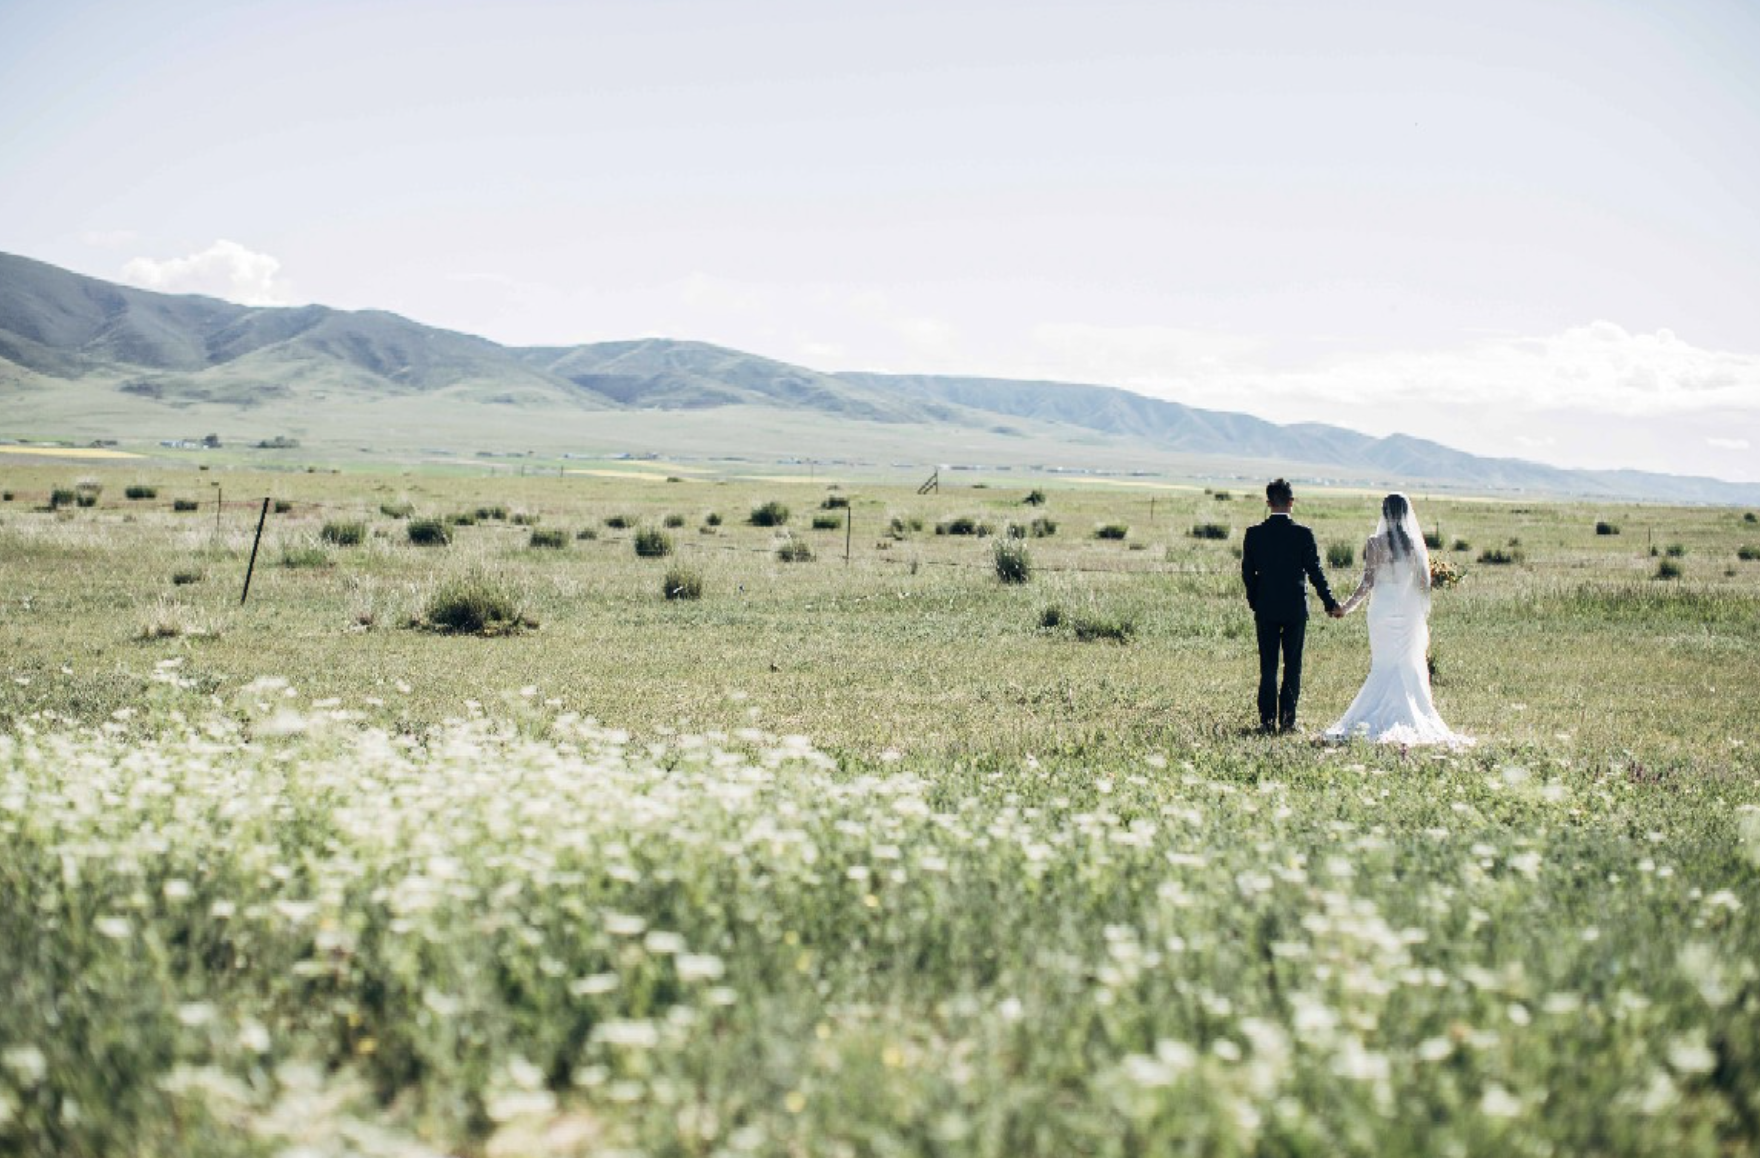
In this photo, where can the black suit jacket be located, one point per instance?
(1278, 557)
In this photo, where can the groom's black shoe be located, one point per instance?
(1288, 724)
(1267, 728)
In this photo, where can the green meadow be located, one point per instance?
(610, 820)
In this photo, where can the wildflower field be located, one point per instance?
(864, 858)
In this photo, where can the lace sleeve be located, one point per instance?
(1371, 556)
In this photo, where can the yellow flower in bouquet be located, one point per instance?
(1443, 573)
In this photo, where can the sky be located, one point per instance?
(1519, 229)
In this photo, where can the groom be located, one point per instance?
(1277, 558)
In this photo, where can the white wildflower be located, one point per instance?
(663, 944)
(1434, 1049)
(27, 1064)
(116, 928)
(628, 1034)
(1498, 1102)
(624, 925)
(1690, 1055)
(592, 986)
(511, 1104)
(700, 967)
(253, 1036)
(1526, 863)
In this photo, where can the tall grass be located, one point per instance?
(477, 603)
(652, 544)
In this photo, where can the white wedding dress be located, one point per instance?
(1394, 706)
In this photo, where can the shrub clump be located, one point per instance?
(475, 604)
(711, 519)
(586, 534)
(1433, 540)
(1747, 554)
(1462, 545)
(962, 525)
(282, 506)
(682, 583)
(835, 503)
(1605, 528)
(184, 504)
(1042, 527)
(1096, 626)
(525, 518)
(771, 514)
(619, 522)
(184, 576)
(304, 556)
(495, 511)
(1677, 551)
(1210, 531)
(429, 533)
(401, 510)
(1117, 531)
(1035, 498)
(140, 491)
(462, 519)
(554, 539)
(1089, 626)
(63, 497)
(673, 521)
(1668, 569)
(344, 534)
(827, 522)
(1499, 556)
(794, 551)
(652, 544)
(1013, 565)
(1340, 555)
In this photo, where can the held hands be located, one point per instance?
(1335, 611)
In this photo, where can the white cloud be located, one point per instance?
(1595, 395)
(225, 269)
(108, 238)
(817, 354)
(1135, 355)
(1598, 367)
(500, 280)
(918, 335)
(706, 291)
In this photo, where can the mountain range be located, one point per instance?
(131, 358)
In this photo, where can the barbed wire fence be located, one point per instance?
(266, 506)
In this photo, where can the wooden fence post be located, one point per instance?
(261, 519)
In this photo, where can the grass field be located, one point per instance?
(855, 858)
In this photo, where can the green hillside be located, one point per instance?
(83, 358)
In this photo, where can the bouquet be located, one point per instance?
(1443, 574)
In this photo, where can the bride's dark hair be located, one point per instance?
(1394, 509)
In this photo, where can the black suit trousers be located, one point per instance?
(1285, 637)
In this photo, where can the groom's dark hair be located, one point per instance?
(1279, 493)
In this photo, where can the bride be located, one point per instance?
(1395, 705)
